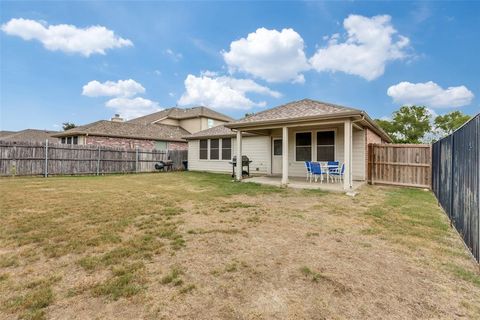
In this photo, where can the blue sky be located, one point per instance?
(235, 57)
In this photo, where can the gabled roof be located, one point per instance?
(302, 111)
(31, 135)
(181, 113)
(128, 130)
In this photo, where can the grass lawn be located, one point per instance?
(198, 246)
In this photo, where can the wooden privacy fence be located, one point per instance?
(400, 164)
(456, 180)
(28, 158)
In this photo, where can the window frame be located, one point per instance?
(200, 149)
(295, 145)
(217, 148)
(222, 148)
(334, 143)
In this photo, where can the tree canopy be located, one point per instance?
(414, 124)
(68, 125)
(451, 121)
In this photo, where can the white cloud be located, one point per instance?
(370, 44)
(269, 54)
(176, 56)
(223, 92)
(430, 94)
(132, 107)
(121, 88)
(65, 37)
(125, 103)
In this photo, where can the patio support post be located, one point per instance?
(239, 167)
(284, 156)
(347, 177)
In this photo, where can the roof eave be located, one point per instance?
(118, 136)
(292, 120)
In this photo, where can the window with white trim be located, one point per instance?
(214, 149)
(326, 146)
(204, 149)
(303, 146)
(226, 149)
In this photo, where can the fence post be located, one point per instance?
(98, 161)
(452, 176)
(46, 159)
(136, 159)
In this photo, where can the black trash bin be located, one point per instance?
(185, 165)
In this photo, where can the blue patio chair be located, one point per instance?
(338, 173)
(332, 167)
(317, 171)
(309, 170)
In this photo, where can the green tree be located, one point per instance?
(67, 125)
(451, 121)
(408, 125)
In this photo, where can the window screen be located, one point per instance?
(161, 145)
(303, 146)
(326, 146)
(203, 149)
(277, 147)
(226, 149)
(214, 151)
(75, 140)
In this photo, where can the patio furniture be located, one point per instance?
(332, 166)
(308, 166)
(317, 171)
(338, 173)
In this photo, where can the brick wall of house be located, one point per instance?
(370, 137)
(131, 143)
(120, 142)
(177, 146)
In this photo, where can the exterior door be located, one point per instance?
(276, 155)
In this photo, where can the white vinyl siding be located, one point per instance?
(256, 148)
(358, 155)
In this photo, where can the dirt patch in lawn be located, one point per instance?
(197, 246)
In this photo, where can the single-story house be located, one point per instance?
(29, 135)
(307, 130)
(163, 130)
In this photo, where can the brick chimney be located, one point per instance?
(116, 118)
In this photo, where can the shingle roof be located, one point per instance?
(297, 109)
(6, 133)
(304, 110)
(129, 130)
(181, 113)
(31, 135)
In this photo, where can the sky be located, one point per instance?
(85, 61)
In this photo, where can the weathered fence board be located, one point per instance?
(456, 180)
(400, 164)
(27, 158)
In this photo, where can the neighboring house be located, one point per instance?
(126, 135)
(29, 135)
(191, 119)
(309, 130)
(163, 130)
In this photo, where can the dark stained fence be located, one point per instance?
(456, 180)
(27, 158)
(400, 164)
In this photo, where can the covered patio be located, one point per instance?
(309, 131)
(301, 183)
